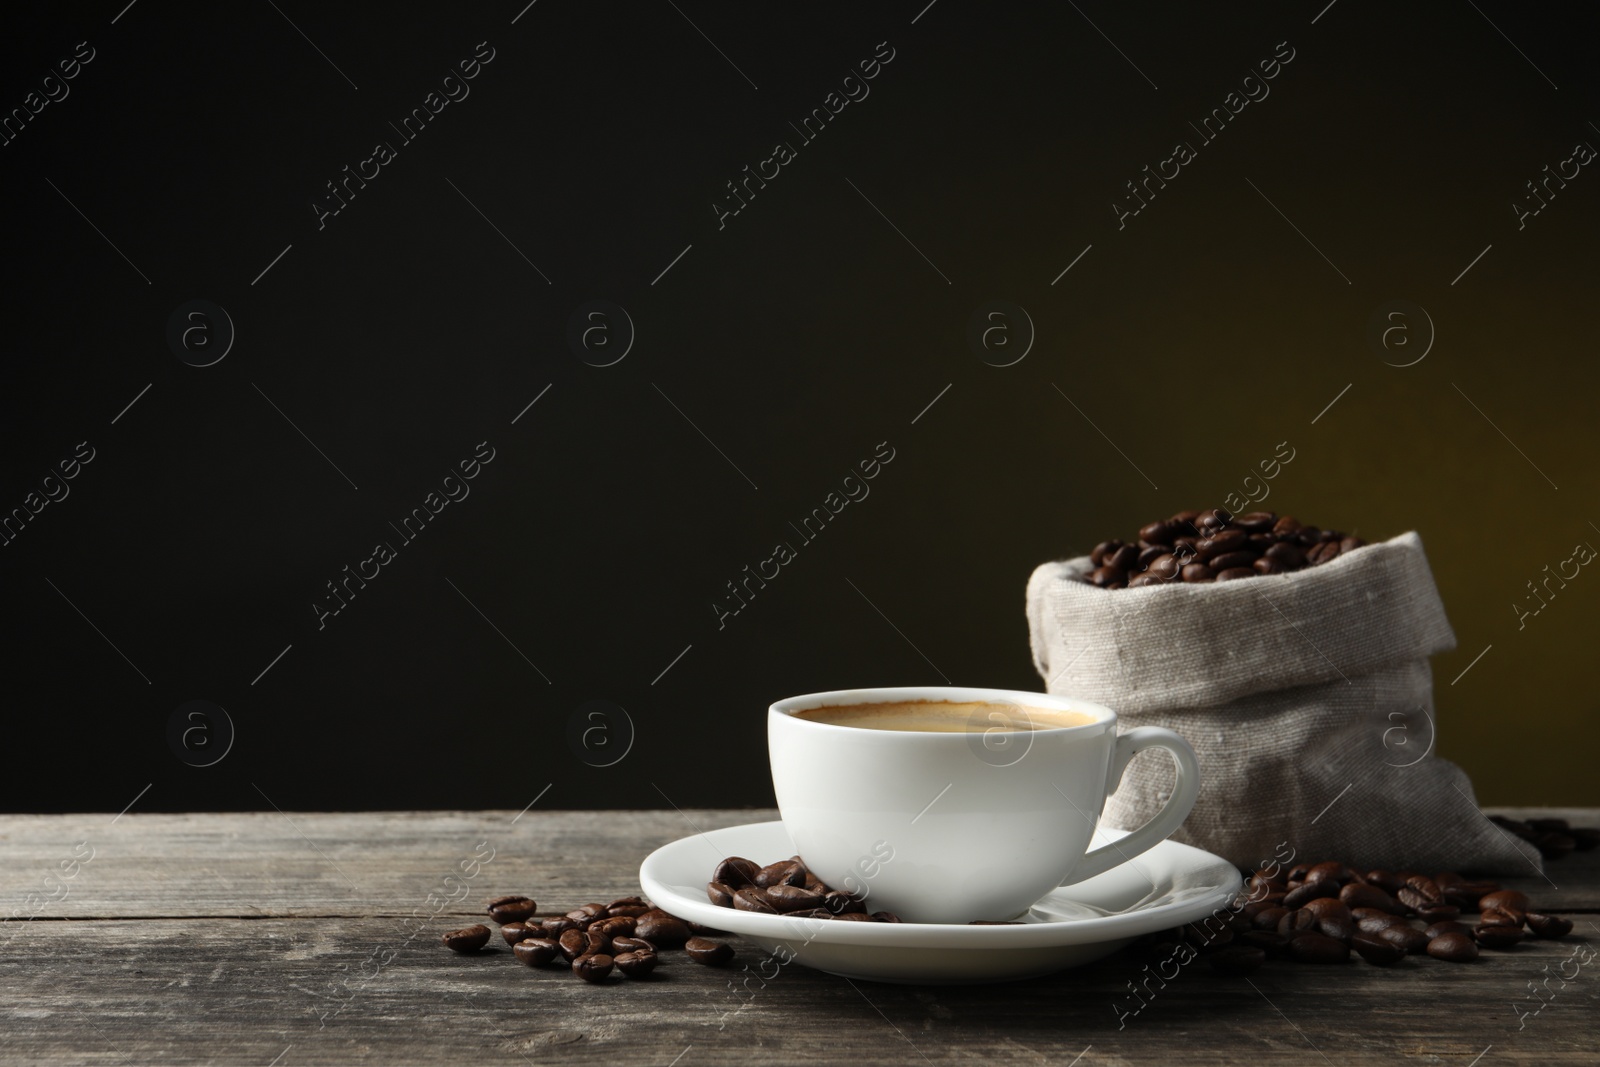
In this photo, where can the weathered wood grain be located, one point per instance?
(134, 966)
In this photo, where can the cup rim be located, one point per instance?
(787, 707)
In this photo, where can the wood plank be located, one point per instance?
(289, 991)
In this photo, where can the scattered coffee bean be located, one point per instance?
(1500, 917)
(511, 909)
(1358, 895)
(1457, 948)
(514, 932)
(635, 964)
(1548, 926)
(1498, 936)
(1554, 838)
(1405, 935)
(662, 929)
(1311, 891)
(554, 928)
(631, 944)
(1506, 900)
(595, 968)
(711, 953)
(1376, 950)
(467, 939)
(536, 951)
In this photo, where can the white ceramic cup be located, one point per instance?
(953, 827)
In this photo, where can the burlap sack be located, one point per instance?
(1307, 697)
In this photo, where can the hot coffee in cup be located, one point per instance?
(944, 804)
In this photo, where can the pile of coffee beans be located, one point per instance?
(1320, 913)
(786, 887)
(1554, 838)
(1215, 546)
(593, 940)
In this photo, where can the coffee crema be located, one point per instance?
(945, 716)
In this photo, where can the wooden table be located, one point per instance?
(266, 938)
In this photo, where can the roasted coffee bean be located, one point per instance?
(1328, 871)
(1297, 922)
(863, 917)
(841, 903)
(595, 968)
(753, 899)
(784, 872)
(719, 894)
(1148, 556)
(631, 944)
(554, 928)
(1220, 543)
(1548, 926)
(1467, 894)
(662, 929)
(1388, 882)
(1287, 554)
(1157, 533)
(1412, 899)
(587, 913)
(1337, 924)
(514, 932)
(511, 909)
(1510, 900)
(702, 930)
(1376, 950)
(1270, 941)
(787, 898)
(1268, 565)
(1326, 887)
(467, 939)
(1164, 567)
(814, 913)
(635, 964)
(1426, 887)
(1457, 948)
(1102, 550)
(614, 926)
(1214, 519)
(1318, 948)
(1361, 915)
(1255, 521)
(1233, 573)
(1376, 924)
(1124, 559)
(1229, 560)
(1198, 572)
(536, 951)
(1449, 926)
(1268, 918)
(1108, 577)
(736, 872)
(1406, 936)
(886, 917)
(1139, 580)
(1498, 936)
(575, 943)
(1357, 895)
(622, 902)
(632, 911)
(710, 953)
(1237, 960)
(1501, 917)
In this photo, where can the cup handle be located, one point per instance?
(1184, 793)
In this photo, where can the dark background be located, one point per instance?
(797, 338)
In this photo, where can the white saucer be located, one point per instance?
(1170, 885)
